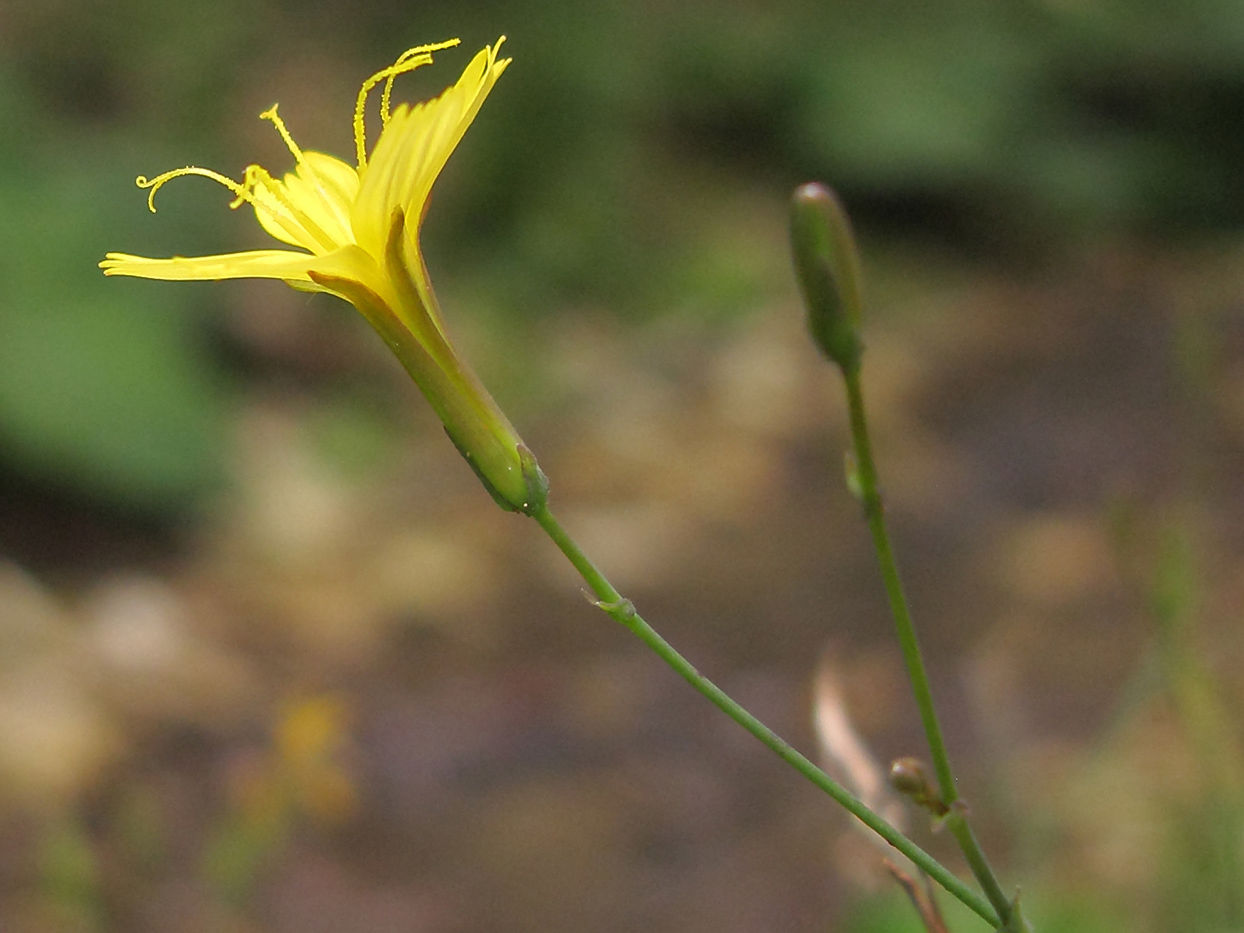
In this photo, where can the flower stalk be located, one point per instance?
(827, 265)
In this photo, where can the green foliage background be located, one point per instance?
(616, 164)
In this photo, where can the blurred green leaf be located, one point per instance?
(239, 850)
(104, 385)
(915, 105)
(892, 912)
(70, 876)
(109, 395)
(353, 434)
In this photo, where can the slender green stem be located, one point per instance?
(959, 827)
(622, 611)
(874, 511)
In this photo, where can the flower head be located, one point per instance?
(356, 233)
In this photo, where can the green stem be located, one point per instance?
(622, 611)
(959, 827)
(874, 511)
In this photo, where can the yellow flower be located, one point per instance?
(357, 228)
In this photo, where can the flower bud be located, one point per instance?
(827, 266)
(910, 778)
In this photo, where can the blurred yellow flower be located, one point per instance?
(359, 228)
(310, 737)
(303, 771)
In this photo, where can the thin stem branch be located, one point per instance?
(623, 611)
(874, 511)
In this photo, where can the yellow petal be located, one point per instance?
(310, 206)
(275, 217)
(413, 148)
(263, 263)
(340, 181)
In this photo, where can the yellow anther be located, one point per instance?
(155, 184)
(408, 61)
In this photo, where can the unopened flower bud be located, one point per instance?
(827, 266)
(909, 777)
